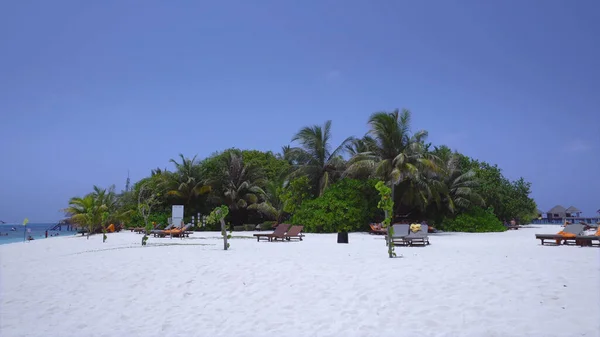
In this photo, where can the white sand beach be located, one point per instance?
(493, 284)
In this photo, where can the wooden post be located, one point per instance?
(224, 232)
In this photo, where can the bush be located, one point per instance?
(238, 228)
(348, 205)
(267, 225)
(477, 220)
(136, 219)
(250, 227)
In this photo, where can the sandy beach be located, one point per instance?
(492, 284)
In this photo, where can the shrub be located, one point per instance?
(238, 228)
(249, 227)
(477, 220)
(348, 205)
(267, 225)
(137, 221)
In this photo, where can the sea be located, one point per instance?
(36, 230)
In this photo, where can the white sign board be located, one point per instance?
(177, 211)
(177, 215)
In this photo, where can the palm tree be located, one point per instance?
(90, 211)
(460, 187)
(186, 183)
(241, 185)
(360, 145)
(315, 158)
(398, 157)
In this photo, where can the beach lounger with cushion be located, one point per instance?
(157, 232)
(588, 240)
(295, 232)
(177, 232)
(377, 230)
(419, 238)
(278, 233)
(569, 233)
(400, 232)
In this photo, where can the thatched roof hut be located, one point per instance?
(573, 211)
(557, 212)
(557, 209)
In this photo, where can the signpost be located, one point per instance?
(177, 214)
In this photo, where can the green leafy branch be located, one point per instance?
(387, 205)
(218, 215)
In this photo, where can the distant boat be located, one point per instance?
(2, 222)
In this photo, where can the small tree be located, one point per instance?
(218, 215)
(104, 219)
(146, 201)
(387, 205)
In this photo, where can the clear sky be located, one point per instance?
(92, 89)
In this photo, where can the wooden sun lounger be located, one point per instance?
(377, 230)
(575, 229)
(180, 232)
(278, 233)
(295, 232)
(587, 240)
(421, 237)
(157, 232)
(400, 232)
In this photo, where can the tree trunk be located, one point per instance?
(224, 232)
(389, 232)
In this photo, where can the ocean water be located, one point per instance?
(36, 230)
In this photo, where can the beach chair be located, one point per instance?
(588, 240)
(177, 232)
(400, 232)
(421, 237)
(377, 230)
(569, 233)
(158, 232)
(295, 232)
(278, 233)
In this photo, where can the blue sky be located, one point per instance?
(92, 89)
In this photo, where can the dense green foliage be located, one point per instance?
(348, 205)
(324, 187)
(475, 220)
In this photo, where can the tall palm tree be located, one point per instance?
(460, 187)
(315, 158)
(360, 145)
(93, 210)
(398, 157)
(241, 184)
(186, 183)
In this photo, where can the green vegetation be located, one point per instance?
(324, 187)
(387, 205)
(348, 205)
(476, 220)
(218, 216)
